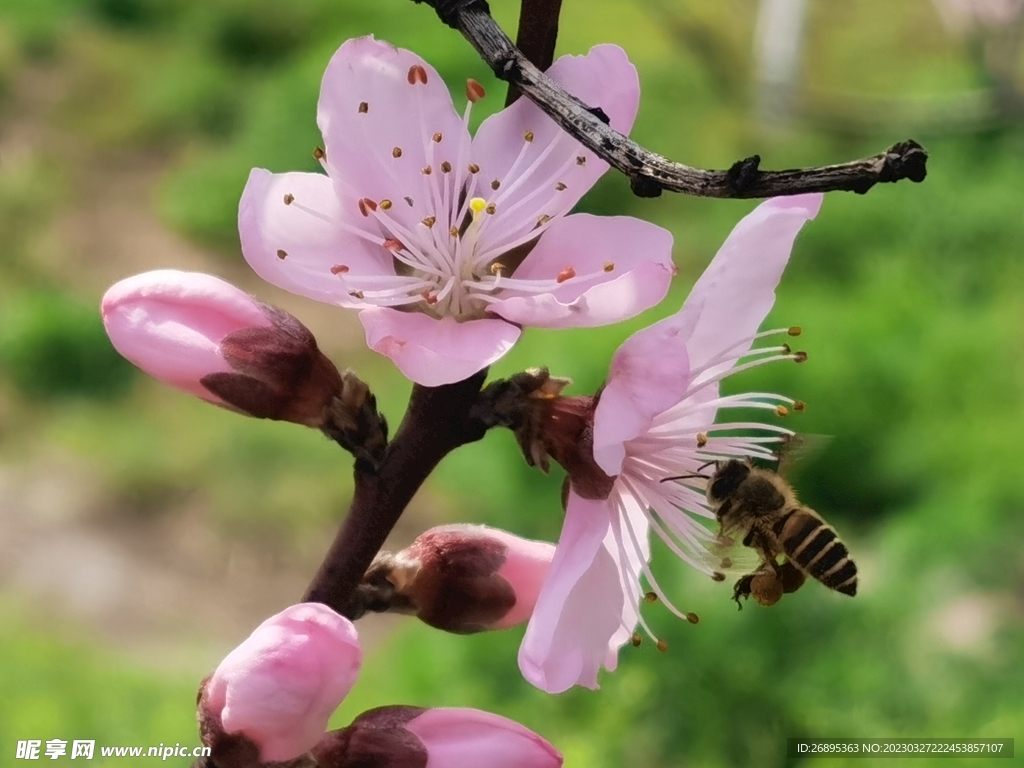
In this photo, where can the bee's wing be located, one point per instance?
(727, 556)
(796, 449)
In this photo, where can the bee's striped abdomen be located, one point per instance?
(814, 547)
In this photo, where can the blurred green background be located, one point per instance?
(143, 534)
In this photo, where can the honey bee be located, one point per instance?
(762, 507)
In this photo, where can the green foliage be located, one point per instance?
(52, 346)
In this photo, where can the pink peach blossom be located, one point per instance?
(212, 340)
(466, 578)
(280, 686)
(456, 737)
(656, 419)
(448, 244)
(401, 736)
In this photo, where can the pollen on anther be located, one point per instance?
(319, 154)
(474, 91)
(385, 204)
(542, 220)
(437, 137)
(662, 645)
(282, 254)
(528, 136)
(693, 618)
(366, 206)
(799, 405)
(581, 160)
(636, 640)
(781, 410)
(718, 576)
(393, 244)
(363, 107)
(796, 330)
(566, 274)
(453, 231)
(609, 266)
(491, 208)
(396, 152)
(289, 199)
(800, 357)
(560, 187)
(429, 221)
(497, 268)
(339, 269)
(417, 74)
(495, 184)
(650, 597)
(426, 170)
(702, 439)
(473, 168)
(356, 294)
(446, 167)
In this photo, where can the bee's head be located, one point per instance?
(726, 479)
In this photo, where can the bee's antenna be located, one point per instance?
(684, 477)
(705, 465)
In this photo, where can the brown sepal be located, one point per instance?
(376, 739)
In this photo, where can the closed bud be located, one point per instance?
(213, 340)
(459, 578)
(271, 697)
(411, 737)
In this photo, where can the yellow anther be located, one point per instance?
(497, 268)
(702, 439)
(781, 410)
(796, 330)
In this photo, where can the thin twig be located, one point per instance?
(437, 421)
(651, 173)
(536, 37)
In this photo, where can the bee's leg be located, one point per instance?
(758, 540)
(742, 589)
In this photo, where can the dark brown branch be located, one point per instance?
(437, 421)
(536, 37)
(651, 173)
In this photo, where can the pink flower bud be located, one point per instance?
(462, 578)
(410, 737)
(279, 687)
(212, 340)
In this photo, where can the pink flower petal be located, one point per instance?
(458, 738)
(530, 185)
(433, 352)
(648, 375)
(309, 231)
(636, 254)
(378, 151)
(650, 372)
(580, 605)
(170, 324)
(280, 686)
(737, 290)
